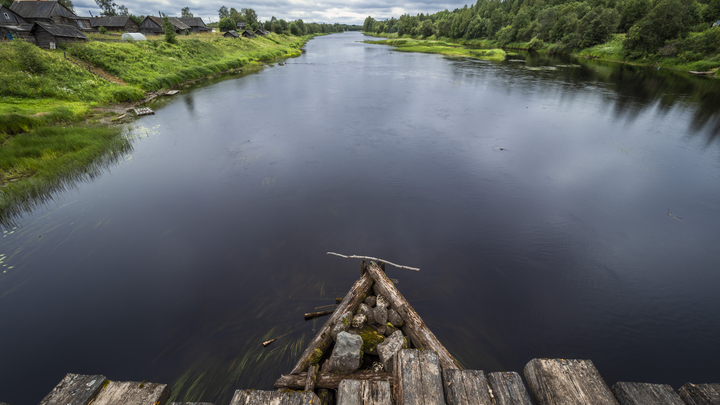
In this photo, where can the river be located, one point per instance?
(556, 208)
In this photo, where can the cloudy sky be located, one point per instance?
(329, 11)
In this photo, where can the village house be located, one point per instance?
(241, 26)
(154, 25)
(118, 23)
(196, 24)
(50, 12)
(248, 34)
(231, 34)
(53, 35)
(12, 26)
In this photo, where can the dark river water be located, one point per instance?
(556, 207)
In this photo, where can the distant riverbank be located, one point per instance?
(58, 107)
(611, 51)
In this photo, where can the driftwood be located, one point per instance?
(322, 340)
(75, 389)
(508, 389)
(466, 387)
(641, 393)
(415, 328)
(561, 382)
(313, 315)
(329, 381)
(700, 394)
(399, 266)
(417, 378)
(354, 392)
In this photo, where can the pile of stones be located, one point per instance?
(367, 339)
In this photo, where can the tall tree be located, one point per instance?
(65, 3)
(123, 11)
(185, 13)
(250, 15)
(108, 7)
(222, 13)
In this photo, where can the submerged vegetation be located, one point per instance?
(441, 47)
(681, 34)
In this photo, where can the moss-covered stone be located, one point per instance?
(370, 339)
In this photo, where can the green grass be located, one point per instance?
(441, 47)
(39, 163)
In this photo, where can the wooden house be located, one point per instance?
(196, 24)
(248, 34)
(231, 34)
(12, 26)
(44, 11)
(52, 35)
(118, 23)
(241, 26)
(154, 25)
(10, 18)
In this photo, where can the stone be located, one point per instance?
(395, 319)
(381, 330)
(377, 367)
(380, 315)
(358, 321)
(367, 311)
(370, 301)
(370, 337)
(342, 325)
(387, 349)
(346, 354)
(381, 301)
(389, 330)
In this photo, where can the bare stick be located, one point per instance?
(376, 259)
(313, 315)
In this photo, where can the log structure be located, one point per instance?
(700, 394)
(363, 392)
(254, 397)
(641, 393)
(328, 380)
(565, 382)
(507, 388)
(75, 389)
(466, 387)
(417, 378)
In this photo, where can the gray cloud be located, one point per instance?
(346, 12)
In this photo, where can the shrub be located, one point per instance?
(226, 24)
(30, 57)
(535, 44)
(169, 31)
(102, 30)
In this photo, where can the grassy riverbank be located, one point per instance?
(53, 111)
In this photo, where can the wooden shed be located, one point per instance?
(248, 34)
(196, 24)
(154, 25)
(231, 34)
(51, 35)
(118, 23)
(44, 11)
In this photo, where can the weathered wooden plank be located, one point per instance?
(328, 380)
(356, 392)
(507, 388)
(422, 337)
(322, 340)
(191, 403)
(255, 397)
(700, 394)
(466, 387)
(132, 393)
(311, 378)
(559, 381)
(628, 393)
(74, 389)
(418, 378)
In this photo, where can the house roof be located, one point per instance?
(231, 33)
(193, 21)
(59, 30)
(40, 9)
(179, 25)
(118, 21)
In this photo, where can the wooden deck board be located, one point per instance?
(418, 378)
(75, 389)
(466, 387)
(132, 393)
(700, 394)
(328, 380)
(508, 389)
(560, 382)
(628, 393)
(255, 397)
(362, 392)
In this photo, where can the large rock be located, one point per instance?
(368, 312)
(381, 301)
(387, 349)
(395, 319)
(380, 315)
(342, 325)
(370, 301)
(346, 354)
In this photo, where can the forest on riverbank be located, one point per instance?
(683, 34)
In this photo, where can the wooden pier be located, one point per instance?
(419, 372)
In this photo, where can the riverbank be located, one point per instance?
(611, 51)
(58, 107)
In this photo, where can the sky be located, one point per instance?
(328, 11)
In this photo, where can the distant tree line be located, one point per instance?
(680, 28)
(229, 18)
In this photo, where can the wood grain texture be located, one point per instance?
(191, 403)
(628, 393)
(328, 380)
(421, 336)
(132, 393)
(507, 388)
(418, 378)
(560, 382)
(254, 397)
(700, 394)
(323, 340)
(357, 392)
(466, 387)
(311, 378)
(74, 389)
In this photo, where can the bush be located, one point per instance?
(169, 31)
(226, 24)
(30, 57)
(535, 44)
(102, 30)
